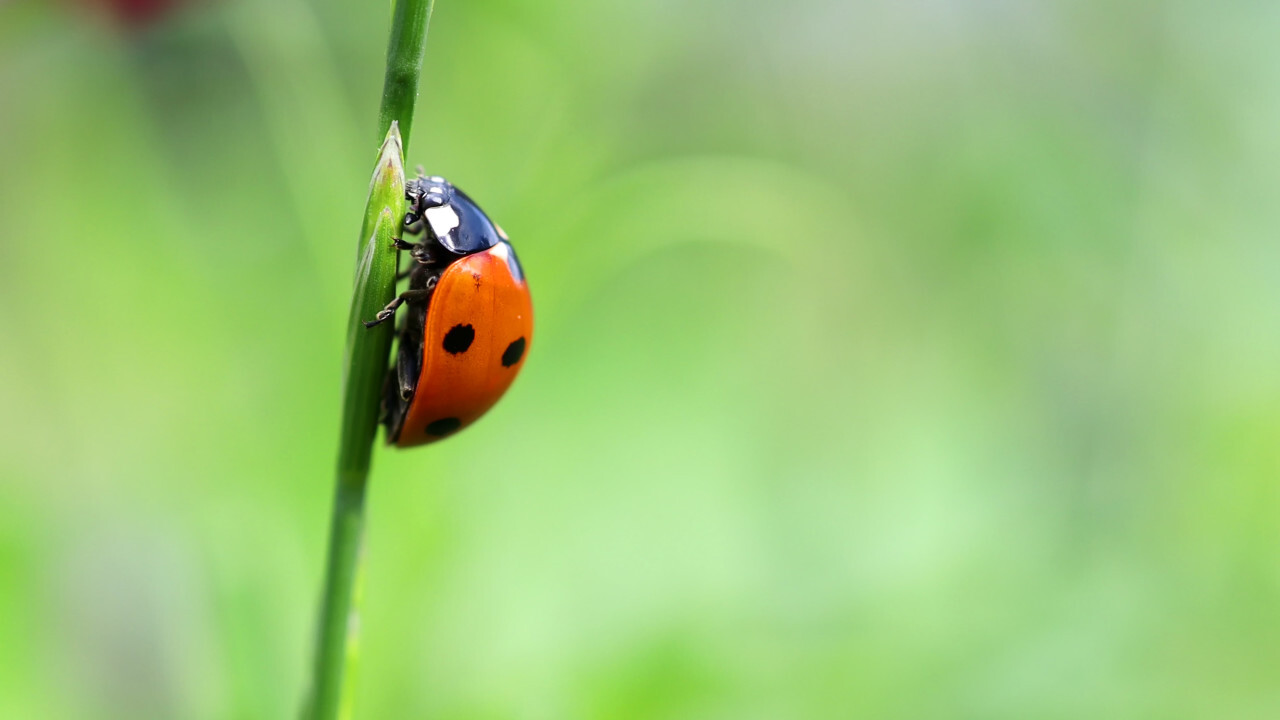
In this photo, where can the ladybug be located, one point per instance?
(469, 318)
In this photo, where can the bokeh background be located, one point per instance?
(894, 360)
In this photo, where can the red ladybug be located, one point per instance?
(469, 323)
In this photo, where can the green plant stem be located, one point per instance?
(364, 366)
(336, 646)
(405, 50)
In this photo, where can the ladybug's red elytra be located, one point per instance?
(469, 320)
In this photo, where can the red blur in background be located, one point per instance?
(134, 13)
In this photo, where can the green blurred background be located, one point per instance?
(894, 360)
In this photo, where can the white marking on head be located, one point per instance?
(443, 220)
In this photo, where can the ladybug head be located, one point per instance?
(451, 218)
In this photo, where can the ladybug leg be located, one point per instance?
(400, 244)
(385, 313)
(422, 254)
(389, 311)
(408, 272)
(418, 251)
(408, 367)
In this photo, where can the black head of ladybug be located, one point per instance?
(450, 217)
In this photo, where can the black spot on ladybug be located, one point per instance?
(459, 338)
(513, 353)
(443, 426)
